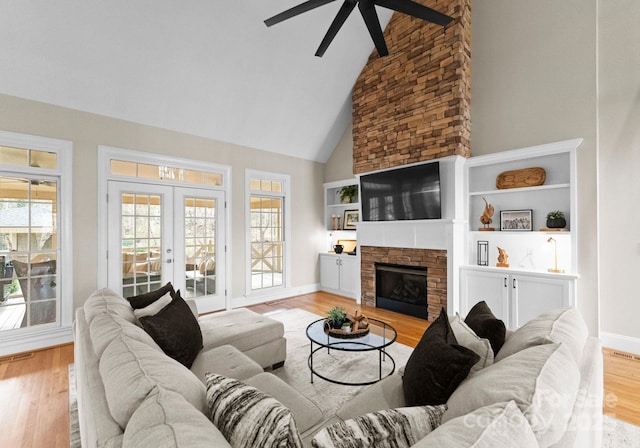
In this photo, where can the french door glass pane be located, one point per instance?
(141, 224)
(267, 263)
(200, 246)
(28, 252)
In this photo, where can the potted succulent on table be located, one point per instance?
(556, 220)
(336, 317)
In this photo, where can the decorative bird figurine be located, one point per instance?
(487, 214)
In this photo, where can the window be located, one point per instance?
(267, 230)
(34, 174)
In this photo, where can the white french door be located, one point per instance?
(160, 233)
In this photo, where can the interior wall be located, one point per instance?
(533, 82)
(87, 131)
(619, 165)
(340, 164)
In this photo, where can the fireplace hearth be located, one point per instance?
(402, 289)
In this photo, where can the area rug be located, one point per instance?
(338, 365)
(328, 396)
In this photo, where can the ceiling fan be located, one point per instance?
(368, 11)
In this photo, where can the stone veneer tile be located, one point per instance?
(434, 260)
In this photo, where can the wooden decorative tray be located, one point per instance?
(340, 333)
(526, 177)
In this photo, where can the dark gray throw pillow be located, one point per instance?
(176, 330)
(146, 299)
(437, 365)
(482, 321)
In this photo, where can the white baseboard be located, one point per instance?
(620, 342)
(276, 294)
(35, 341)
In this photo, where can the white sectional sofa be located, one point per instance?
(543, 389)
(131, 394)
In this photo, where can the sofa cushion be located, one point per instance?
(165, 419)
(146, 299)
(482, 321)
(107, 301)
(497, 426)
(385, 394)
(130, 369)
(247, 417)
(436, 366)
(304, 411)
(105, 327)
(468, 338)
(226, 361)
(563, 325)
(242, 328)
(176, 330)
(543, 381)
(389, 428)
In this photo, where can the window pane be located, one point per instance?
(192, 177)
(13, 156)
(122, 168)
(44, 159)
(28, 252)
(148, 171)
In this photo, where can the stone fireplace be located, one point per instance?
(434, 262)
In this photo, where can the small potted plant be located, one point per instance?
(336, 317)
(555, 220)
(348, 193)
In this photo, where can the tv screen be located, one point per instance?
(401, 194)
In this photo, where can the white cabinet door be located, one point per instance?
(350, 276)
(491, 287)
(329, 273)
(533, 295)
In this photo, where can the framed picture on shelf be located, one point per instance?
(516, 220)
(351, 218)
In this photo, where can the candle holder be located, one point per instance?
(555, 256)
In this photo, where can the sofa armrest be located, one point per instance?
(193, 306)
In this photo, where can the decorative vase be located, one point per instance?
(338, 248)
(556, 223)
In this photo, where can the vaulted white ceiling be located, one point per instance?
(205, 67)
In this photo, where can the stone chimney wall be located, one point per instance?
(414, 105)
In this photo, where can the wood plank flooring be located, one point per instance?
(34, 391)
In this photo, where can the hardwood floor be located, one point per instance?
(34, 391)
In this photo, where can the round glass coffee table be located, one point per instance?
(380, 336)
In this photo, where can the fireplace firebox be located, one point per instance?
(402, 289)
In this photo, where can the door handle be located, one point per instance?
(505, 282)
(514, 283)
(168, 260)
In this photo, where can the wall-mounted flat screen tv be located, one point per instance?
(409, 193)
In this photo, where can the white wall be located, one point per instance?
(534, 82)
(340, 164)
(619, 165)
(87, 131)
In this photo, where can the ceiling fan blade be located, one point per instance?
(370, 16)
(296, 10)
(337, 23)
(416, 10)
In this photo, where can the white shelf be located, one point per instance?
(519, 190)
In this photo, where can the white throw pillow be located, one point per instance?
(500, 425)
(469, 339)
(563, 325)
(389, 428)
(542, 380)
(154, 308)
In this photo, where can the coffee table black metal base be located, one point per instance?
(371, 342)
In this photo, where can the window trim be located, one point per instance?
(34, 338)
(285, 194)
(106, 153)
